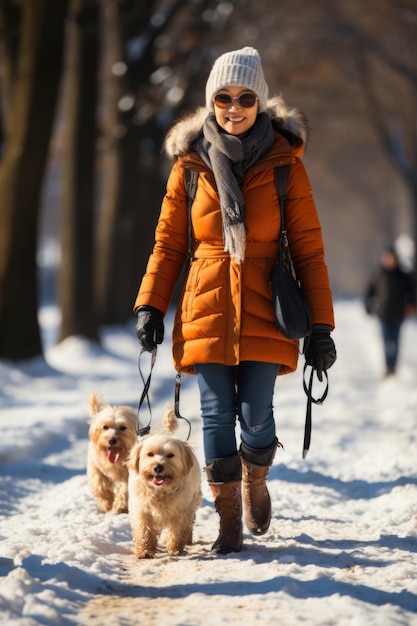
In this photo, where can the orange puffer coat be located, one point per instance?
(225, 311)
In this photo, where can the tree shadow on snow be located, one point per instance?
(392, 542)
(299, 555)
(17, 490)
(353, 489)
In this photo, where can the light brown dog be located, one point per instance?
(164, 490)
(112, 433)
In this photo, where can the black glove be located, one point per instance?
(321, 351)
(150, 327)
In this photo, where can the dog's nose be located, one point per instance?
(158, 469)
(112, 441)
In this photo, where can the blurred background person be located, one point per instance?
(391, 295)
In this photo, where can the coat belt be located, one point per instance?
(253, 250)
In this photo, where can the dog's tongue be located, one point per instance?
(158, 480)
(113, 455)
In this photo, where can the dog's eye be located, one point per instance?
(122, 427)
(105, 427)
(150, 453)
(170, 455)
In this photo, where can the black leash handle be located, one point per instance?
(146, 384)
(310, 400)
(177, 403)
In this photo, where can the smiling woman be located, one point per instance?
(224, 329)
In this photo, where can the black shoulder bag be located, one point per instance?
(292, 315)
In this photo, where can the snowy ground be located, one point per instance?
(342, 545)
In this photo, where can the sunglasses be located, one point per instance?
(246, 100)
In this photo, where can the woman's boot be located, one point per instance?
(256, 498)
(224, 477)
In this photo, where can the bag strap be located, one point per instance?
(281, 177)
(190, 182)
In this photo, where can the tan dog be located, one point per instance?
(164, 490)
(112, 434)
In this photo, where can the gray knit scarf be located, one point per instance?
(230, 157)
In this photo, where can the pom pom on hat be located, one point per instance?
(239, 67)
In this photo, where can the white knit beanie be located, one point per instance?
(239, 67)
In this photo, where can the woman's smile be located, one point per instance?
(235, 120)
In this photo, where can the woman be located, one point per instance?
(224, 330)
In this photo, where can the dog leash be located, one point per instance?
(310, 400)
(146, 384)
(177, 403)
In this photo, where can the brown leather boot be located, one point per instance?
(227, 496)
(228, 503)
(256, 498)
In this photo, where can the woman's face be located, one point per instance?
(235, 119)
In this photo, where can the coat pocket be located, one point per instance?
(190, 288)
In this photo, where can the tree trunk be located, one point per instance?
(127, 221)
(9, 26)
(110, 174)
(33, 104)
(77, 227)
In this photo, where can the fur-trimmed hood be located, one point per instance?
(289, 121)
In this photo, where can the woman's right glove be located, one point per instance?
(321, 351)
(150, 327)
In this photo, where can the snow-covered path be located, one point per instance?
(343, 540)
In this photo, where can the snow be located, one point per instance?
(343, 540)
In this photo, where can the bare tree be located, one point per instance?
(32, 96)
(117, 249)
(76, 294)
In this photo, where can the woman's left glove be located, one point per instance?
(150, 327)
(321, 351)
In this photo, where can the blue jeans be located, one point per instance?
(244, 391)
(391, 339)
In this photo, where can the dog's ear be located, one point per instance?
(133, 459)
(170, 421)
(95, 403)
(188, 457)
